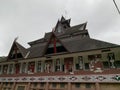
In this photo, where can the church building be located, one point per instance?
(66, 58)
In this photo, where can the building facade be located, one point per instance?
(64, 59)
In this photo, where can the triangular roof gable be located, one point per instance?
(65, 20)
(15, 49)
(62, 19)
(53, 36)
(61, 23)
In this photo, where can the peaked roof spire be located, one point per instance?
(63, 19)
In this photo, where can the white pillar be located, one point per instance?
(47, 86)
(13, 69)
(53, 65)
(35, 66)
(21, 67)
(42, 66)
(69, 86)
(1, 69)
(26, 68)
(8, 68)
(97, 86)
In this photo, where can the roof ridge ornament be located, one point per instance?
(16, 39)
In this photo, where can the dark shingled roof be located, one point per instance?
(76, 44)
(69, 31)
(72, 44)
(37, 50)
(73, 39)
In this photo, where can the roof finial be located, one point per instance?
(16, 39)
(62, 18)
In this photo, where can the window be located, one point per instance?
(9, 88)
(35, 84)
(24, 67)
(94, 62)
(10, 68)
(21, 88)
(11, 83)
(5, 67)
(62, 85)
(31, 67)
(111, 58)
(42, 84)
(6, 84)
(79, 65)
(48, 66)
(77, 85)
(69, 65)
(86, 66)
(39, 66)
(54, 85)
(88, 85)
(17, 68)
(57, 67)
(117, 64)
(106, 65)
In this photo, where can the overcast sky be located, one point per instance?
(30, 19)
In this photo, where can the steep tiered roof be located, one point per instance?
(72, 38)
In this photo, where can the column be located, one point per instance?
(1, 85)
(53, 66)
(69, 86)
(42, 66)
(26, 68)
(47, 86)
(1, 69)
(8, 68)
(35, 67)
(28, 86)
(97, 86)
(14, 86)
(13, 70)
(74, 63)
(83, 62)
(62, 63)
(21, 67)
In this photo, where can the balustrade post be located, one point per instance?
(97, 86)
